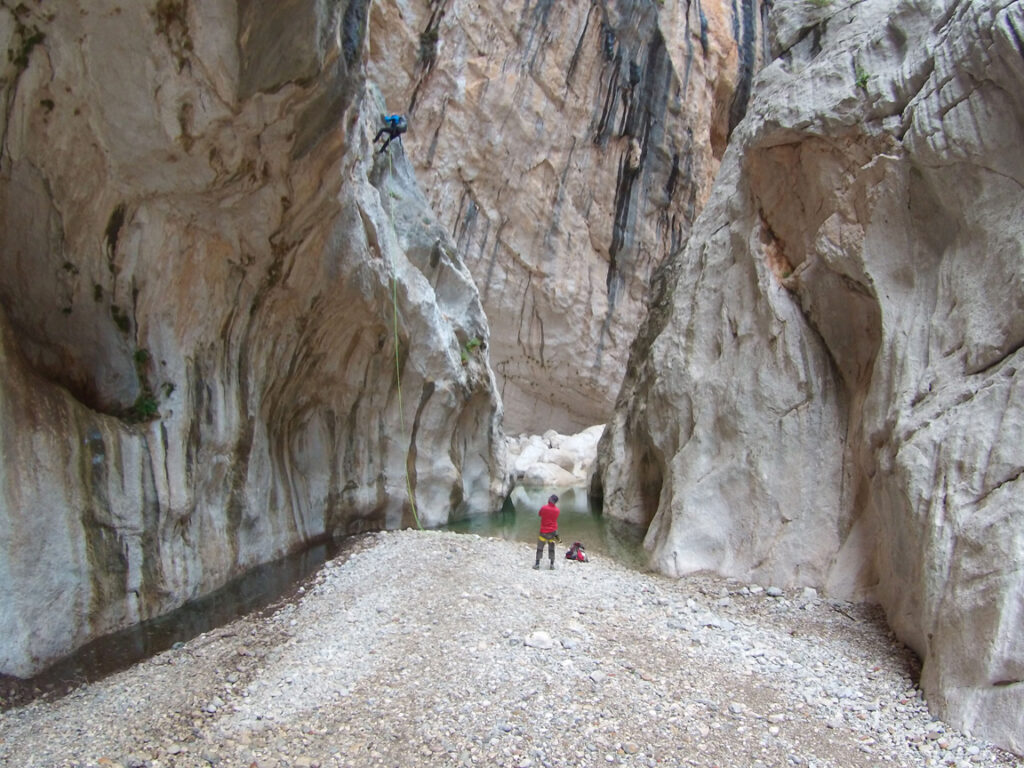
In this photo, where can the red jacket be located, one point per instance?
(548, 518)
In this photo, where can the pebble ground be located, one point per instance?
(440, 649)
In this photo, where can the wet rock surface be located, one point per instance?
(427, 648)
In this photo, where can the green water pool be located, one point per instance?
(581, 520)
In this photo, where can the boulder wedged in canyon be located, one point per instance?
(568, 148)
(552, 460)
(827, 388)
(202, 265)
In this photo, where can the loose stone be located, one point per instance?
(332, 681)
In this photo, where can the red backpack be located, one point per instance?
(576, 552)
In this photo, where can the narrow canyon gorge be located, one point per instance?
(775, 247)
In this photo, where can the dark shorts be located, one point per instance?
(551, 538)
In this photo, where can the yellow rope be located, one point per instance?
(398, 367)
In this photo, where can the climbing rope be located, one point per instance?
(398, 367)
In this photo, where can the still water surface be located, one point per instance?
(267, 585)
(256, 589)
(580, 520)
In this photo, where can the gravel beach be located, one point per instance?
(441, 649)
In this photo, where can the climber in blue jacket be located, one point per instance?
(394, 126)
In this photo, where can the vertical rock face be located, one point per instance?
(208, 282)
(567, 146)
(827, 390)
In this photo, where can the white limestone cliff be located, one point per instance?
(202, 265)
(827, 391)
(567, 147)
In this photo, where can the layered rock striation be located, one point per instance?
(567, 147)
(827, 390)
(210, 289)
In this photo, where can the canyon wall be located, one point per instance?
(827, 390)
(567, 147)
(208, 283)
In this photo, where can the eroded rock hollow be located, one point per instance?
(827, 390)
(211, 287)
(228, 326)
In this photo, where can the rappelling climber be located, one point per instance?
(394, 127)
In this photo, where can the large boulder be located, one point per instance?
(567, 146)
(227, 327)
(553, 460)
(826, 391)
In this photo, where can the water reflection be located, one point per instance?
(580, 521)
(268, 584)
(257, 588)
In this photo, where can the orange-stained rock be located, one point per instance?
(567, 147)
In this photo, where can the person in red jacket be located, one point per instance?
(548, 531)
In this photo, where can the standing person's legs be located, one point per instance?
(540, 553)
(551, 553)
